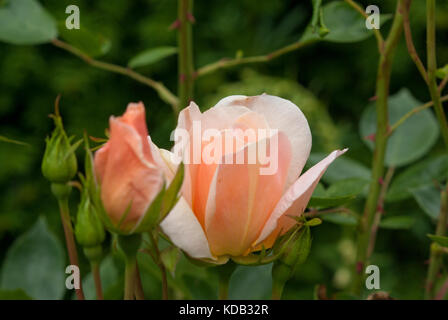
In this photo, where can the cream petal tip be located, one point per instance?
(185, 231)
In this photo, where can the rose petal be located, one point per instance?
(100, 161)
(242, 199)
(182, 227)
(125, 174)
(283, 115)
(183, 131)
(135, 117)
(295, 200)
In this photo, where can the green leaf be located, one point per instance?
(412, 139)
(343, 188)
(344, 23)
(151, 56)
(152, 215)
(300, 249)
(171, 194)
(424, 173)
(341, 218)
(35, 263)
(26, 22)
(443, 241)
(338, 193)
(397, 222)
(341, 168)
(170, 256)
(428, 198)
(17, 294)
(91, 43)
(327, 202)
(251, 283)
(319, 191)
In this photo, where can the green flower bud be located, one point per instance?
(89, 229)
(294, 247)
(59, 162)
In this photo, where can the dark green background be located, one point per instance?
(334, 79)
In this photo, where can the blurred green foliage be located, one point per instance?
(331, 82)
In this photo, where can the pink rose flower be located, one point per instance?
(231, 209)
(127, 169)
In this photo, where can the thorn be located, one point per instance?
(182, 77)
(373, 98)
(381, 181)
(359, 267)
(175, 25)
(380, 208)
(190, 17)
(370, 137)
(96, 139)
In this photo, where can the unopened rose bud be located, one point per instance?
(131, 175)
(89, 230)
(59, 163)
(295, 247)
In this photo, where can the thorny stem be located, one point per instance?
(163, 92)
(382, 93)
(434, 259)
(432, 66)
(158, 260)
(185, 57)
(95, 266)
(428, 75)
(317, 213)
(227, 63)
(443, 84)
(443, 290)
(379, 211)
(68, 229)
(277, 290)
(435, 253)
(139, 293)
(409, 43)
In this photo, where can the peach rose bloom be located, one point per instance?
(232, 209)
(127, 168)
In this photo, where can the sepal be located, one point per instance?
(59, 164)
